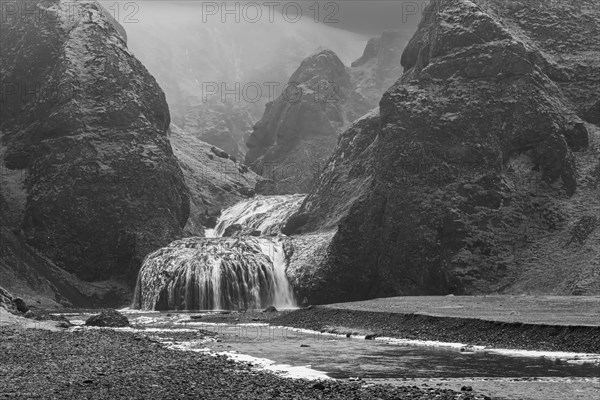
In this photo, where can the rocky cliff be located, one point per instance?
(477, 174)
(84, 125)
(215, 179)
(300, 129)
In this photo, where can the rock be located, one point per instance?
(294, 223)
(577, 136)
(103, 187)
(64, 324)
(219, 153)
(470, 151)
(232, 230)
(215, 183)
(299, 128)
(304, 345)
(466, 389)
(270, 309)
(318, 386)
(592, 113)
(108, 319)
(20, 304)
(195, 316)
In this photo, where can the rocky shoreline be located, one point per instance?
(109, 364)
(471, 331)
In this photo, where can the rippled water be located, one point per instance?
(342, 357)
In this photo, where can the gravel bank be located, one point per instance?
(522, 336)
(107, 364)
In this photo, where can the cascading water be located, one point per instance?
(222, 273)
(266, 214)
(215, 274)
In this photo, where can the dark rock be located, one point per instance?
(266, 187)
(247, 192)
(466, 389)
(20, 304)
(318, 386)
(255, 233)
(233, 230)
(304, 345)
(219, 153)
(294, 223)
(577, 136)
(431, 193)
(103, 187)
(195, 316)
(592, 114)
(299, 128)
(109, 319)
(270, 309)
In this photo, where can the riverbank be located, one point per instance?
(376, 319)
(108, 364)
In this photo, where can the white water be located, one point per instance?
(215, 274)
(266, 214)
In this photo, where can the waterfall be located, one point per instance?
(266, 214)
(215, 274)
(223, 273)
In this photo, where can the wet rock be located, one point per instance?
(20, 304)
(270, 309)
(466, 389)
(108, 319)
(318, 386)
(219, 153)
(233, 230)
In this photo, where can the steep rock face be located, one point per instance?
(226, 125)
(299, 129)
(466, 182)
(379, 67)
(103, 186)
(566, 37)
(215, 179)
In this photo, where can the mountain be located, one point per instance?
(299, 130)
(477, 173)
(89, 180)
(218, 76)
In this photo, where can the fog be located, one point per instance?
(188, 45)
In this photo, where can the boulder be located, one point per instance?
(108, 319)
